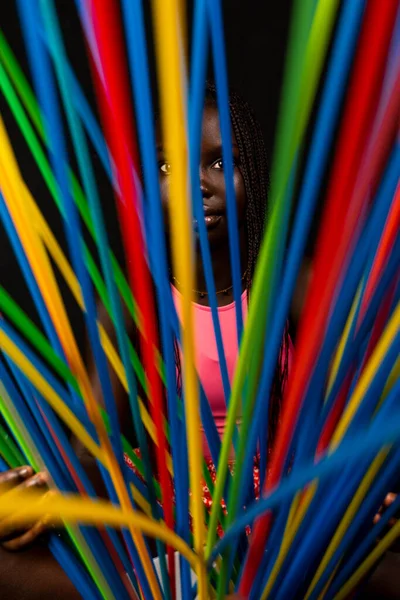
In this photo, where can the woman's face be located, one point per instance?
(212, 180)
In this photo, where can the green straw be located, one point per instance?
(30, 102)
(40, 343)
(298, 60)
(9, 450)
(21, 84)
(22, 435)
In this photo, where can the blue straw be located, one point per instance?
(76, 465)
(363, 548)
(367, 244)
(86, 171)
(351, 350)
(196, 112)
(339, 64)
(40, 66)
(33, 287)
(219, 60)
(47, 457)
(48, 376)
(370, 440)
(59, 432)
(327, 509)
(319, 523)
(45, 86)
(42, 370)
(275, 280)
(72, 567)
(136, 42)
(365, 514)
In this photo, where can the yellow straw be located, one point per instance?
(367, 376)
(14, 196)
(392, 379)
(75, 509)
(369, 562)
(38, 464)
(342, 343)
(55, 251)
(50, 396)
(166, 17)
(293, 523)
(348, 517)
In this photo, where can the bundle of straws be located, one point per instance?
(336, 452)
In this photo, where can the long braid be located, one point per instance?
(255, 172)
(254, 169)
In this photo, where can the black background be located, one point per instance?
(255, 35)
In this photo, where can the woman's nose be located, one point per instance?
(204, 184)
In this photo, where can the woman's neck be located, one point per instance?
(221, 263)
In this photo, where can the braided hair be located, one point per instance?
(254, 170)
(253, 165)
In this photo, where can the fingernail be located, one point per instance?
(37, 479)
(25, 471)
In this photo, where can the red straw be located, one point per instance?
(386, 243)
(117, 118)
(340, 227)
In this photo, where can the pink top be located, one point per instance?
(207, 361)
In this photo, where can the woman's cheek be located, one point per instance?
(240, 193)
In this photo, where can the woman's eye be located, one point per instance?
(218, 164)
(165, 167)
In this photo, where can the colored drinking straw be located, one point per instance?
(173, 121)
(349, 525)
(341, 407)
(196, 112)
(94, 205)
(254, 333)
(214, 12)
(371, 439)
(34, 458)
(368, 69)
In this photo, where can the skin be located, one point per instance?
(35, 563)
(212, 183)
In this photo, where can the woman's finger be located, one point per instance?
(13, 477)
(9, 526)
(390, 498)
(29, 537)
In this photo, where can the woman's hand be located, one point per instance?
(13, 536)
(388, 501)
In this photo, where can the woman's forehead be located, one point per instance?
(211, 130)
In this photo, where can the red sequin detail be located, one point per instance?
(207, 498)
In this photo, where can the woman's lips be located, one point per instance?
(211, 220)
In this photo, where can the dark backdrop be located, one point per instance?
(256, 33)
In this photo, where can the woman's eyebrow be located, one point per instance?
(217, 149)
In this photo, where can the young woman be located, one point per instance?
(33, 573)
